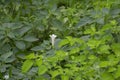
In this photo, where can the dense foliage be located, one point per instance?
(87, 46)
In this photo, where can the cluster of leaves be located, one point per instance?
(87, 45)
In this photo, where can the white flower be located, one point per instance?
(53, 36)
(6, 76)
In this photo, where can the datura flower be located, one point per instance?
(6, 77)
(53, 36)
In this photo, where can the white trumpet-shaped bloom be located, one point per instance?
(6, 77)
(53, 36)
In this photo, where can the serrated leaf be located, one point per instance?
(27, 65)
(42, 69)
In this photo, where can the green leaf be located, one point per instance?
(23, 30)
(106, 27)
(6, 55)
(30, 56)
(116, 48)
(104, 63)
(54, 73)
(30, 38)
(92, 57)
(117, 73)
(27, 65)
(20, 44)
(74, 50)
(106, 76)
(91, 31)
(84, 21)
(40, 78)
(39, 62)
(64, 77)
(37, 48)
(11, 35)
(42, 69)
(111, 69)
(104, 49)
(61, 54)
(57, 24)
(92, 43)
(63, 42)
(10, 60)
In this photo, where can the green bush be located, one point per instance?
(87, 46)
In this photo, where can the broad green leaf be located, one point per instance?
(41, 27)
(107, 76)
(84, 21)
(63, 42)
(6, 55)
(111, 69)
(100, 20)
(27, 65)
(20, 44)
(116, 48)
(54, 73)
(92, 57)
(21, 56)
(30, 38)
(92, 43)
(91, 31)
(40, 78)
(39, 62)
(117, 73)
(104, 49)
(10, 60)
(106, 27)
(30, 56)
(11, 35)
(23, 30)
(57, 24)
(37, 48)
(61, 54)
(64, 77)
(42, 69)
(104, 64)
(74, 50)
(71, 40)
(81, 58)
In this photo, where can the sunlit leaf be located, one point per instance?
(42, 69)
(27, 65)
